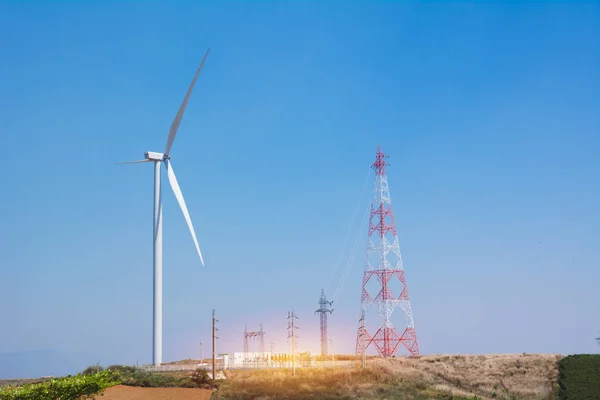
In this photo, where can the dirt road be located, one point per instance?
(121, 392)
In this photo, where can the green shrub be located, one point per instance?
(579, 377)
(200, 377)
(147, 379)
(155, 380)
(70, 388)
(92, 369)
(122, 369)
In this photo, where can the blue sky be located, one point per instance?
(489, 112)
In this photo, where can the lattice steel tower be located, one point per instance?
(323, 310)
(383, 266)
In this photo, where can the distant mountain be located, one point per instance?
(35, 363)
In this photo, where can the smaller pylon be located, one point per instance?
(323, 310)
(292, 335)
(363, 338)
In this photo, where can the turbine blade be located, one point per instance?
(177, 120)
(134, 162)
(181, 201)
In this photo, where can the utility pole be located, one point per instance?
(201, 351)
(272, 347)
(214, 342)
(262, 343)
(246, 346)
(292, 334)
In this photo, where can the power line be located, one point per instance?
(338, 263)
(352, 255)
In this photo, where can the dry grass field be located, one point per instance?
(523, 377)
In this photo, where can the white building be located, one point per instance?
(221, 362)
(241, 358)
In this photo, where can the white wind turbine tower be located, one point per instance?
(157, 159)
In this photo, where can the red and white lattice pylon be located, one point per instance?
(383, 265)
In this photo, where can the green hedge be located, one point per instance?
(69, 388)
(579, 377)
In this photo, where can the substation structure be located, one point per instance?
(253, 336)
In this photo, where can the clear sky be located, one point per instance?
(490, 113)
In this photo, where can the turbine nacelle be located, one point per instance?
(153, 156)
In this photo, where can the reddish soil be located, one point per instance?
(122, 392)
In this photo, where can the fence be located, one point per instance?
(170, 368)
(300, 364)
(249, 365)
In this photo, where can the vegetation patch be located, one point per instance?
(579, 377)
(23, 381)
(69, 388)
(92, 382)
(130, 376)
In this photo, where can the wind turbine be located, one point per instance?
(157, 159)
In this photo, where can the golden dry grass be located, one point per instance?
(520, 376)
(502, 376)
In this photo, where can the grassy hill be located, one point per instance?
(523, 377)
(457, 377)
